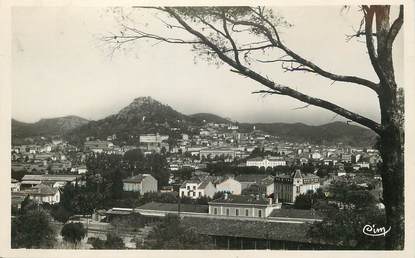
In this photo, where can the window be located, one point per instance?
(246, 212)
(298, 189)
(200, 194)
(215, 211)
(237, 212)
(188, 193)
(188, 187)
(194, 193)
(259, 213)
(227, 212)
(194, 187)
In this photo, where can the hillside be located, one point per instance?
(322, 134)
(209, 118)
(46, 127)
(147, 115)
(143, 115)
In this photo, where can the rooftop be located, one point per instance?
(241, 199)
(296, 232)
(184, 207)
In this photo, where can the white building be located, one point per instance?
(266, 162)
(243, 206)
(196, 188)
(42, 193)
(142, 183)
(15, 185)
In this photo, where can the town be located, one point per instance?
(221, 186)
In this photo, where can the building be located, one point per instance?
(54, 180)
(288, 187)
(15, 185)
(247, 180)
(266, 162)
(98, 146)
(196, 188)
(142, 183)
(218, 153)
(229, 185)
(42, 193)
(243, 206)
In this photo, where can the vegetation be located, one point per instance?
(32, 229)
(171, 234)
(212, 31)
(112, 242)
(348, 209)
(73, 232)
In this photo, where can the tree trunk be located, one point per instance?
(392, 136)
(393, 190)
(392, 152)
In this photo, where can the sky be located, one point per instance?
(61, 67)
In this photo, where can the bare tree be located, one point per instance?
(221, 33)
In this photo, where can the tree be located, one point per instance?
(59, 213)
(303, 201)
(33, 230)
(171, 234)
(113, 241)
(73, 232)
(215, 33)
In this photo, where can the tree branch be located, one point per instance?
(278, 88)
(276, 42)
(395, 28)
(368, 13)
(228, 36)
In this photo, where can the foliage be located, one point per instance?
(59, 213)
(113, 241)
(73, 232)
(32, 229)
(343, 227)
(348, 208)
(171, 234)
(303, 202)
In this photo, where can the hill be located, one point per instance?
(209, 118)
(147, 115)
(143, 115)
(46, 127)
(322, 134)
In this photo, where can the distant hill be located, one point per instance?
(322, 134)
(147, 115)
(143, 115)
(209, 118)
(46, 127)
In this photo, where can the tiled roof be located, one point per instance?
(296, 232)
(50, 177)
(297, 213)
(40, 189)
(242, 199)
(191, 181)
(203, 184)
(134, 179)
(157, 206)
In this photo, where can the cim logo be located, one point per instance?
(372, 230)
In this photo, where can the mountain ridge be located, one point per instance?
(147, 115)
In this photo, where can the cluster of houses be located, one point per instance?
(43, 188)
(283, 187)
